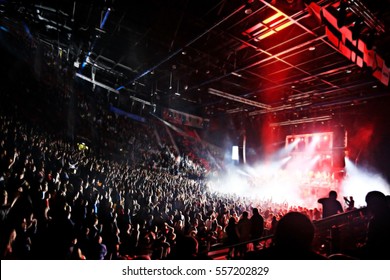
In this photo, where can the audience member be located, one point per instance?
(232, 237)
(350, 202)
(257, 226)
(330, 205)
(292, 240)
(378, 232)
(244, 228)
(72, 203)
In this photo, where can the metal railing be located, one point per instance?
(334, 234)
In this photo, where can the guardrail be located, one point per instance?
(334, 234)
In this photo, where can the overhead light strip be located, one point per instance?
(96, 83)
(283, 26)
(265, 35)
(306, 120)
(237, 98)
(271, 18)
(141, 100)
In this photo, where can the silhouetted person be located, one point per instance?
(378, 231)
(330, 205)
(244, 233)
(7, 247)
(98, 248)
(293, 239)
(5, 207)
(350, 203)
(257, 226)
(232, 237)
(187, 249)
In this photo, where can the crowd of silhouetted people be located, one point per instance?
(63, 201)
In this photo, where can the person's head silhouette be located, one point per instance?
(295, 231)
(376, 202)
(292, 240)
(333, 194)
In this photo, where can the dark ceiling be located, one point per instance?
(212, 58)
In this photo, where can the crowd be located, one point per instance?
(63, 202)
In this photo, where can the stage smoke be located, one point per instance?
(358, 182)
(298, 180)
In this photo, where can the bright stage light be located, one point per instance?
(316, 138)
(235, 155)
(290, 146)
(285, 160)
(299, 177)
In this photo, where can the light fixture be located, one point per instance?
(265, 35)
(76, 64)
(248, 7)
(302, 121)
(283, 26)
(177, 89)
(272, 18)
(170, 81)
(248, 11)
